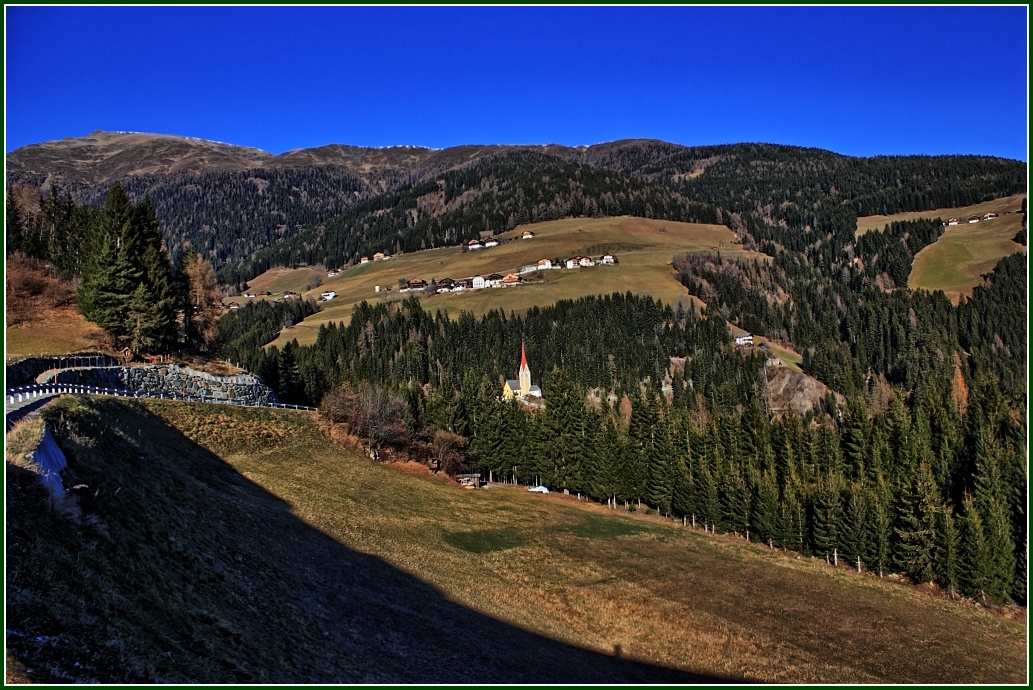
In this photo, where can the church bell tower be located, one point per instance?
(525, 373)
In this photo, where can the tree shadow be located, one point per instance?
(178, 569)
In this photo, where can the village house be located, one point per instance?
(608, 259)
(521, 388)
(586, 261)
(328, 295)
(474, 244)
(416, 284)
(446, 285)
(494, 280)
(512, 279)
(478, 283)
(544, 264)
(574, 262)
(744, 339)
(462, 284)
(527, 235)
(364, 260)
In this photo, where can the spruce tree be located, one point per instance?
(992, 507)
(974, 552)
(917, 525)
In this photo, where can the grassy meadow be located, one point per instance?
(53, 332)
(955, 262)
(643, 247)
(216, 544)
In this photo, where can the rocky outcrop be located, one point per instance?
(786, 389)
(172, 380)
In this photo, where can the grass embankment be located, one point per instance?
(955, 262)
(41, 317)
(222, 544)
(644, 248)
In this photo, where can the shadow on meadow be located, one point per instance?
(169, 566)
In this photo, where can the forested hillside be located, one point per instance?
(249, 210)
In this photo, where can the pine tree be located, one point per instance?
(764, 507)
(948, 552)
(992, 507)
(827, 521)
(974, 552)
(916, 532)
(660, 490)
(15, 225)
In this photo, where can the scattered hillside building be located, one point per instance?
(544, 264)
(381, 256)
(474, 244)
(774, 362)
(290, 295)
(416, 284)
(973, 219)
(328, 295)
(491, 242)
(608, 259)
(990, 216)
(521, 388)
(234, 305)
(952, 221)
(333, 273)
(527, 235)
(364, 260)
(744, 339)
(263, 293)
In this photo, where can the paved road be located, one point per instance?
(21, 400)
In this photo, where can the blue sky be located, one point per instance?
(856, 80)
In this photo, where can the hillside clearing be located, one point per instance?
(955, 262)
(306, 563)
(644, 248)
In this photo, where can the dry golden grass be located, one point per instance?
(600, 579)
(644, 248)
(279, 280)
(41, 316)
(998, 206)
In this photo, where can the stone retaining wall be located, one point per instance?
(172, 380)
(24, 371)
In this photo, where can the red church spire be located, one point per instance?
(523, 356)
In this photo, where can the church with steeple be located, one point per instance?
(521, 389)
